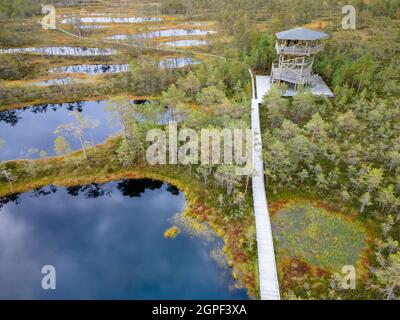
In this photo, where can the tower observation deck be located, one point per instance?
(296, 49)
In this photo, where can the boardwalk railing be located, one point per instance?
(268, 277)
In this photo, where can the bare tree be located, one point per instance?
(77, 128)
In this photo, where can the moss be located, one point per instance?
(318, 237)
(171, 233)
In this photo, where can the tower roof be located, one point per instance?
(301, 34)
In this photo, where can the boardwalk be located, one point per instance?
(269, 285)
(318, 88)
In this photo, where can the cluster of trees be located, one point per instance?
(350, 150)
(213, 97)
(147, 77)
(352, 64)
(298, 12)
(386, 274)
(346, 150)
(18, 8)
(73, 92)
(352, 59)
(377, 8)
(13, 32)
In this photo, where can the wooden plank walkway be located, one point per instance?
(269, 285)
(318, 88)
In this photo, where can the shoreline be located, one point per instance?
(199, 205)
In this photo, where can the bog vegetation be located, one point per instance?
(344, 151)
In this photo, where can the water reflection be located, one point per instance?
(9, 199)
(33, 127)
(92, 69)
(163, 33)
(186, 43)
(111, 20)
(106, 242)
(62, 51)
(13, 116)
(177, 63)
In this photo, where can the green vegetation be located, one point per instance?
(192, 226)
(19, 8)
(172, 232)
(345, 151)
(14, 67)
(333, 150)
(318, 237)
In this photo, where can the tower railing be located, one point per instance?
(299, 50)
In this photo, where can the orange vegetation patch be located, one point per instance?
(275, 206)
(316, 25)
(294, 271)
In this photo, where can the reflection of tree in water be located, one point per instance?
(44, 191)
(40, 109)
(134, 188)
(75, 106)
(72, 106)
(129, 188)
(90, 191)
(10, 116)
(12, 198)
(173, 190)
(36, 193)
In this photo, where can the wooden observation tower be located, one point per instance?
(297, 49)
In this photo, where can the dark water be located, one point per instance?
(186, 43)
(63, 51)
(163, 33)
(106, 242)
(33, 127)
(112, 20)
(92, 69)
